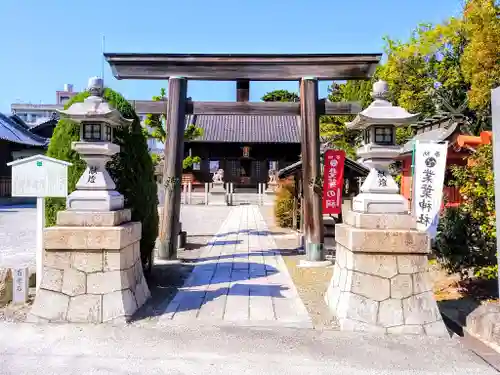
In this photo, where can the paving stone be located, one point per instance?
(261, 308)
(237, 308)
(213, 307)
(243, 280)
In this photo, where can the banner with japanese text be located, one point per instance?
(428, 181)
(333, 181)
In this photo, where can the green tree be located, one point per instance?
(450, 65)
(481, 56)
(131, 169)
(333, 128)
(467, 234)
(280, 96)
(156, 124)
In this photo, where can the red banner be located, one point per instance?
(333, 181)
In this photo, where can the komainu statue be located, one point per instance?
(218, 177)
(272, 177)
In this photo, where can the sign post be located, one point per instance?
(39, 176)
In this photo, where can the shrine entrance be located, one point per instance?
(307, 69)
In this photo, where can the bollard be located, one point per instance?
(190, 192)
(231, 192)
(20, 285)
(206, 193)
(184, 193)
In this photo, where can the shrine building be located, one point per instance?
(246, 147)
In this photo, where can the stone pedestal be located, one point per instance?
(381, 278)
(217, 194)
(92, 269)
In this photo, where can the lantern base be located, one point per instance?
(376, 203)
(95, 200)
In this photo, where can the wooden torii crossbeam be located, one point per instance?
(307, 69)
(247, 108)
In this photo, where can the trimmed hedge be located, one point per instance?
(283, 204)
(131, 170)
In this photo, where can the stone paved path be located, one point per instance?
(240, 278)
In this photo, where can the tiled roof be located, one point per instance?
(247, 129)
(436, 135)
(12, 131)
(358, 168)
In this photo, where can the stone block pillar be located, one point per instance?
(381, 278)
(92, 269)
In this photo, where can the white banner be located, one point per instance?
(428, 181)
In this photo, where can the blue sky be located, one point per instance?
(48, 43)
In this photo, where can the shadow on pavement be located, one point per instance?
(167, 282)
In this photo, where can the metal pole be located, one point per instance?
(495, 114)
(40, 225)
(206, 193)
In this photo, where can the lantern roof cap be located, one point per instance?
(95, 108)
(381, 111)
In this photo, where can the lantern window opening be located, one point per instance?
(109, 133)
(367, 136)
(384, 135)
(92, 132)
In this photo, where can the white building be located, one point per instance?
(33, 114)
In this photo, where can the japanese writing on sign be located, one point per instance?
(92, 174)
(381, 179)
(333, 181)
(430, 164)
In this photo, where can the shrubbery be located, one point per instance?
(283, 205)
(466, 237)
(131, 170)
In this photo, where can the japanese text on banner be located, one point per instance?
(430, 166)
(333, 181)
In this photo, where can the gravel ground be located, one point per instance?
(311, 283)
(17, 236)
(17, 247)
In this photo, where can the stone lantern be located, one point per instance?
(380, 280)
(95, 190)
(92, 267)
(378, 122)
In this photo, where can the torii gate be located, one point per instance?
(308, 69)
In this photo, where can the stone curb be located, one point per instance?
(487, 351)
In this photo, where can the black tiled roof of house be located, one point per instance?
(247, 129)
